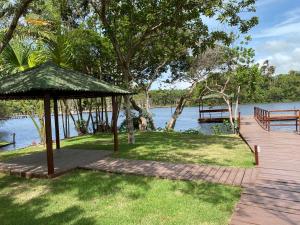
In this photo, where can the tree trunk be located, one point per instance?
(147, 106)
(142, 120)
(237, 110)
(230, 111)
(129, 121)
(179, 108)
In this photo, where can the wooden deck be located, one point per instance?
(35, 165)
(275, 196)
(176, 171)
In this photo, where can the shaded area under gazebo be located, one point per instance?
(51, 82)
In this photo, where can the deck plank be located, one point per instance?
(273, 194)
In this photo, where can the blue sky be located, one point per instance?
(276, 38)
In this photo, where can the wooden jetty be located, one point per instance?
(274, 198)
(210, 115)
(272, 118)
(14, 117)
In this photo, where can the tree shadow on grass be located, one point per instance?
(83, 185)
(63, 200)
(208, 192)
(92, 184)
(35, 211)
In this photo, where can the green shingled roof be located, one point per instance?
(59, 82)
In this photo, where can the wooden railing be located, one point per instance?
(265, 118)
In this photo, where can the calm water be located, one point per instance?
(26, 133)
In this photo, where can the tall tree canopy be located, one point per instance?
(132, 25)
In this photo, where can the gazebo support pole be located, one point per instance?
(57, 138)
(47, 108)
(115, 123)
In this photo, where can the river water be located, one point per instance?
(26, 133)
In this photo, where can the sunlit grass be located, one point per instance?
(88, 198)
(223, 150)
(3, 143)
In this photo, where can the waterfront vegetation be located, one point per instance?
(90, 198)
(222, 150)
(131, 44)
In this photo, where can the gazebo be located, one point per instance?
(50, 82)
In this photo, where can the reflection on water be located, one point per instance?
(26, 133)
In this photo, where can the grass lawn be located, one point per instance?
(3, 143)
(223, 150)
(91, 198)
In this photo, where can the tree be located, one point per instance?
(198, 70)
(222, 81)
(132, 25)
(19, 10)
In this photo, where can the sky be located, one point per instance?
(276, 38)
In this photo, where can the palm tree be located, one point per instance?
(19, 56)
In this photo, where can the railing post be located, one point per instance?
(239, 121)
(269, 121)
(256, 151)
(298, 122)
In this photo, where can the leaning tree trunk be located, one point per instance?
(179, 108)
(142, 120)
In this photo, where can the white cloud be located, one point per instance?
(280, 30)
(283, 54)
(288, 26)
(280, 44)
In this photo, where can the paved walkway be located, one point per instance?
(275, 197)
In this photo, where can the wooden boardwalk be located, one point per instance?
(35, 165)
(215, 174)
(275, 196)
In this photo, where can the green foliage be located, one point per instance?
(3, 110)
(224, 128)
(166, 97)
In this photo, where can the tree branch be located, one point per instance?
(18, 13)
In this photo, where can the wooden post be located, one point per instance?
(239, 121)
(269, 121)
(115, 123)
(57, 138)
(47, 109)
(256, 151)
(297, 121)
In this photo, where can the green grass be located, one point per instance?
(3, 143)
(91, 198)
(223, 150)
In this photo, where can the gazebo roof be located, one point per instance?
(55, 81)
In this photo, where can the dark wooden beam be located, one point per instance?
(115, 123)
(47, 109)
(57, 138)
